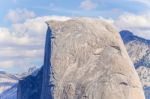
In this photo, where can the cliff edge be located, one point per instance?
(87, 60)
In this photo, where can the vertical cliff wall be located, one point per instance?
(84, 59)
(90, 62)
(47, 82)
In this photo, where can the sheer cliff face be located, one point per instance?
(89, 61)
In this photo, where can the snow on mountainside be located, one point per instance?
(144, 74)
(10, 93)
(139, 51)
(31, 71)
(7, 81)
(138, 48)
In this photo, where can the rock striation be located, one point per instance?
(87, 60)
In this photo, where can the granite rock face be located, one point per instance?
(84, 59)
(89, 61)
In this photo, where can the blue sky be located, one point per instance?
(22, 27)
(105, 8)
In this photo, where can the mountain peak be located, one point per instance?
(84, 59)
(126, 33)
(128, 36)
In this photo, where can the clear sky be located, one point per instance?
(22, 27)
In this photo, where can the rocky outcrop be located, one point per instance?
(84, 59)
(30, 87)
(139, 51)
(89, 61)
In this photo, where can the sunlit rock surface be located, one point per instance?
(89, 61)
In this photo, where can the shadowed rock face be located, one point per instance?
(29, 87)
(89, 61)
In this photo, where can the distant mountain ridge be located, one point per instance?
(89, 61)
(138, 48)
(139, 51)
(128, 36)
(7, 81)
(10, 93)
